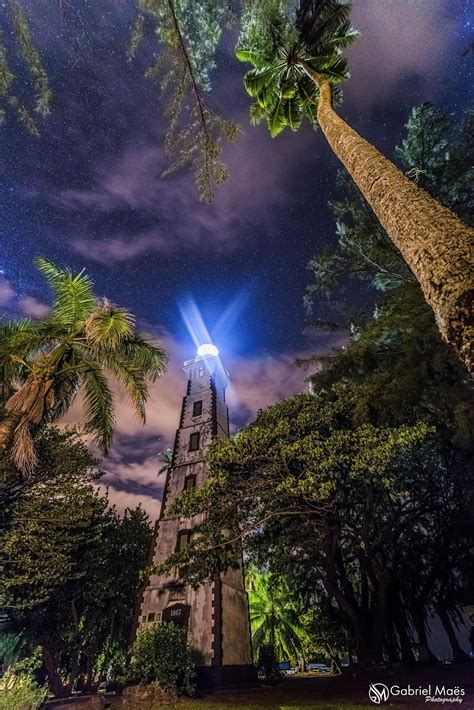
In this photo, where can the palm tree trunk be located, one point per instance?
(7, 429)
(435, 244)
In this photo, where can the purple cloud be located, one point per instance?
(398, 41)
(259, 177)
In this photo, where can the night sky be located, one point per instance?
(88, 194)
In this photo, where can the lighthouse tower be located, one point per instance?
(216, 614)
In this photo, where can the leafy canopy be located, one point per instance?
(70, 567)
(302, 457)
(282, 42)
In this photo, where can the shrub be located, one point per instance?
(161, 654)
(18, 692)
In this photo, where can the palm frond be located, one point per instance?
(146, 354)
(98, 406)
(337, 72)
(73, 296)
(275, 615)
(66, 383)
(132, 379)
(309, 96)
(257, 81)
(13, 367)
(251, 56)
(44, 364)
(257, 114)
(107, 326)
(344, 37)
(276, 120)
(293, 113)
(322, 19)
(26, 339)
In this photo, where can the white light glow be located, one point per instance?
(207, 349)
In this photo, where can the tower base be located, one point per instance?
(226, 677)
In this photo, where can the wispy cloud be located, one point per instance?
(18, 305)
(7, 292)
(121, 248)
(399, 41)
(259, 177)
(33, 308)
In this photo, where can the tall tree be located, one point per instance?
(395, 356)
(298, 64)
(319, 491)
(396, 361)
(70, 568)
(43, 365)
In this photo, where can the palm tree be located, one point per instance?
(297, 66)
(166, 458)
(44, 365)
(275, 616)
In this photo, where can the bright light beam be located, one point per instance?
(194, 323)
(231, 314)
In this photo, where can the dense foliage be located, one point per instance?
(346, 503)
(70, 569)
(161, 654)
(395, 361)
(19, 691)
(18, 688)
(402, 369)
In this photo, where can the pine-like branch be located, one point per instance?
(32, 59)
(188, 38)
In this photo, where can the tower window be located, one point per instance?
(189, 483)
(184, 538)
(194, 441)
(197, 408)
(151, 617)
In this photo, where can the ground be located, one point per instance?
(306, 691)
